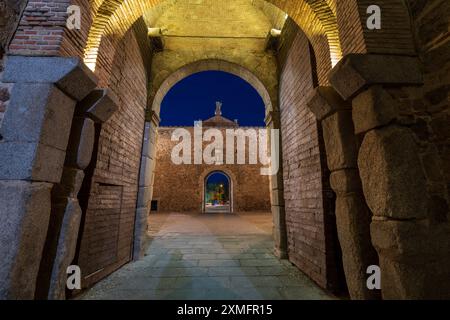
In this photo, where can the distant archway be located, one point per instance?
(218, 193)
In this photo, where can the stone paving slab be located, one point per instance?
(220, 264)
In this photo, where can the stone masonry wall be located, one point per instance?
(178, 188)
(5, 91)
(109, 224)
(431, 28)
(9, 17)
(305, 175)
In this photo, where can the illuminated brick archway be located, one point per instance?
(379, 71)
(272, 121)
(315, 17)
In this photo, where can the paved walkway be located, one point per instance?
(208, 256)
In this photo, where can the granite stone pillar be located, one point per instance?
(34, 138)
(277, 194)
(409, 228)
(146, 179)
(352, 214)
(64, 225)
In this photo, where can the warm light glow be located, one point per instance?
(90, 65)
(334, 59)
(335, 53)
(90, 57)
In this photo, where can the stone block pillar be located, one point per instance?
(62, 235)
(34, 139)
(410, 229)
(146, 180)
(352, 214)
(277, 194)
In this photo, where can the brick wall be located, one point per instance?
(40, 29)
(308, 197)
(350, 34)
(109, 223)
(394, 37)
(74, 41)
(178, 188)
(10, 11)
(288, 35)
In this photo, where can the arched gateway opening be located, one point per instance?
(81, 125)
(218, 193)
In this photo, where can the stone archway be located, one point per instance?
(362, 85)
(231, 188)
(149, 145)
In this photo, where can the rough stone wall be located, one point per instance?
(9, 17)
(425, 109)
(403, 125)
(431, 26)
(108, 232)
(178, 188)
(5, 91)
(305, 174)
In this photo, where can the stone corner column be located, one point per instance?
(146, 180)
(407, 229)
(35, 134)
(352, 214)
(277, 194)
(97, 107)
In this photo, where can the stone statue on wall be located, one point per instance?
(218, 108)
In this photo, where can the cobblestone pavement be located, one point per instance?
(208, 256)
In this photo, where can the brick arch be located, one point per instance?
(314, 17)
(336, 27)
(212, 65)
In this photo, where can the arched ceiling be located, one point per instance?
(315, 17)
(215, 18)
(234, 31)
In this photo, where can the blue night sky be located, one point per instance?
(194, 98)
(218, 177)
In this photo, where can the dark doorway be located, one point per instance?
(217, 193)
